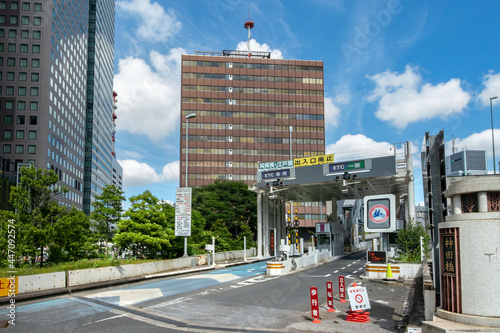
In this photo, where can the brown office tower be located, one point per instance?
(242, 108)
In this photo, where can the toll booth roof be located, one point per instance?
(380, 175)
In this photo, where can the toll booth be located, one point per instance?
(330, 236)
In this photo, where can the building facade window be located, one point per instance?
(7, 149)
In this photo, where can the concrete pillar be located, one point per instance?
(482, 198)
(259, 225)
(457, 204)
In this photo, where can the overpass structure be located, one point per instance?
(323, 179)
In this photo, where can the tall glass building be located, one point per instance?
(45, 114)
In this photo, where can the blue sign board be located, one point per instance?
(276, 174)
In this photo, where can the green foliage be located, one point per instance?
(408, 240)
(107, 210)
(71, 237)
(36, 208)
(145, 228)
(228, 201)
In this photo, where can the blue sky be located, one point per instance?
(393, 70)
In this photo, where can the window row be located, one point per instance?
(271, 91)
(23, 76)
(23, 48)
(25, 6)
(23, 62)
(252, 102)
(21, 91)
(24, 34)
(21, 105)
(20, 120)
(252, 66)
(246, 139)
(247, 152)
(259, 115)
(305, 80)
(14, 20)
(19, 149)
(7, 134)
(251, 127)
(217, 164)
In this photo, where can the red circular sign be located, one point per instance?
(358, 298)
(379, 214)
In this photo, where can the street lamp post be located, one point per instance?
(189, 116)
(493, 134)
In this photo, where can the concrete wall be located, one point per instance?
(41, 282)
(231, 255)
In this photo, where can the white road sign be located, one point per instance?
(183, 211)
(358, 297)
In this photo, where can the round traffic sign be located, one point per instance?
(379, 214)
(358, 298)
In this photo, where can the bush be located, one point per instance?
(408, 240)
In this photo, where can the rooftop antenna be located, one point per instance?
(249, 25)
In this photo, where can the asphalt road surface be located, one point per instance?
(237, 299)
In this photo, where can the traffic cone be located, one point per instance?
(388, 275)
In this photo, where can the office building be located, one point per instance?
(245, 105)
(56, 95)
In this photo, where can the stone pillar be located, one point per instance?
(482, 198)
(457, 204)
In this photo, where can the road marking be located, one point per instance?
(336, 271)
(174, 301)
(349, 265)
(98, 321)
(343, 267)
(127, 296)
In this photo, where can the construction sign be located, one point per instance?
(8, 286)
(316, 160)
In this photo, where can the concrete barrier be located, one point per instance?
(41, 282)
(82, 277)
(232, 255)
(379, 271)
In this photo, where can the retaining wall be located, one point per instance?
(112, 274)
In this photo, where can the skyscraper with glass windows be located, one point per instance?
(44, 111)
(245, 105)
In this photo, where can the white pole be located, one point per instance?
(245, 248)
(259, 225)
(213, 246)
(291, 128)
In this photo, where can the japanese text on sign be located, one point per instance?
(449, 251)
(316, 160)
(183, 212)
(346, 166)
(342, 287)
(267, 166)
(329, 294)
(276, 174)
(314, 302)
(358, 298)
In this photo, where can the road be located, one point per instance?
(240, 298)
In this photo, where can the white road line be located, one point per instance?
(98, 321)
(349, 265)
(174, 301)
(336, 271)
(343, 267)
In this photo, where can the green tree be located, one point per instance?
(71, 234)
(107, 210)
(408, 240)
(33, 200)
(5, 216)
(144, 229)
(228, 201)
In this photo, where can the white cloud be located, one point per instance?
(491, 84)
(332, 113)
(141, 174)
(476, 141)
(155, 25)
(149, 96)
(404, 100)
(351, 147)
(256, 46)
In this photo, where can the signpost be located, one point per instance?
(183, 212)
(183, 200)
(342, 289)
(314, 305)
(329, 296)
